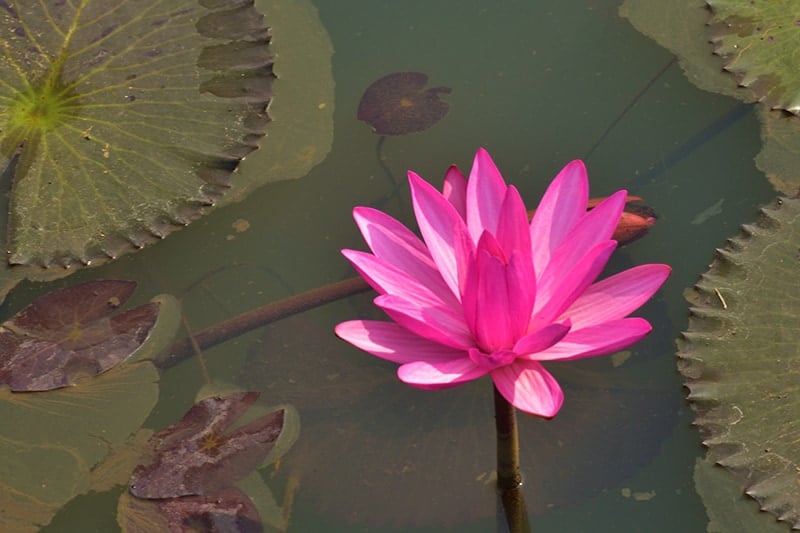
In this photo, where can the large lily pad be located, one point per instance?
(128, 118)
(69, 334)
(681, 27)
(758, 42)
(740, 357)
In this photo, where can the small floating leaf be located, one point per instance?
(71, 333)
(227, 511)
(199, 456)
(398, 104)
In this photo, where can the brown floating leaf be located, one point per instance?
(226, 511)
(69, 334)
(398, 104)
(197, 457)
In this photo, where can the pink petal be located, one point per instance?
(562, 206)
(542, 338)
(437, 324)
(389, 341)
(485, 192)
(396, 245)
(443, 230)
(455, 190)
(617, 296)
(529, 388)
(558, 290)
(498, 297)
(601, 339)
(596, 226)
(440, 374)
(388, 279)
(512, 228)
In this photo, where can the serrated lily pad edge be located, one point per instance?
(714, 419)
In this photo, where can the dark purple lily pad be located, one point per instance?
(197, 456)
(398, 104)
(70, 333)
(229, 510)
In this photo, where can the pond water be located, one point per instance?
(538, 84)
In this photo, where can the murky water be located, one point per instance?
(538, 84)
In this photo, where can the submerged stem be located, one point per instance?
(505, 419)
(261, 316)
(509, 478)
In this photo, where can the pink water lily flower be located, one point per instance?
(486, 292)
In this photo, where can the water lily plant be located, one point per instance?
(486, 292)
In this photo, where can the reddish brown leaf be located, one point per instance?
(197, 457)
(70, 333)
(227, 511)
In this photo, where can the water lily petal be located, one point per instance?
(594, 227)
(455, 190)
(485, 192)
(562, 206)
(617, 296)
(438, 324)
(388, 279)
(443, 230)
(601, 339)
(512, 228)
(557, 291)
(529, 388)
(542, 338)
(396, 245)
(440, 374)
(389, 341)
(498, 296)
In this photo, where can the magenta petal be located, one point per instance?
(498, 297)
(388, 279)
(557, 290)
(542, 338)
(455, 190)
(393, 343)
(602, 339)
(617, 296)
(596, 226)
(512, 228)
(443, 230)
(438, 324)
(440, 374)
(485, 192)
(562, 206)
(529, 388)
(394, 244)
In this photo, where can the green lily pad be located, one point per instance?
(758, 41)
(127, 119)
(728, 509)
(681, 27)
(51, 441)
(740, 357)
(301, 113)
(779, 157)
